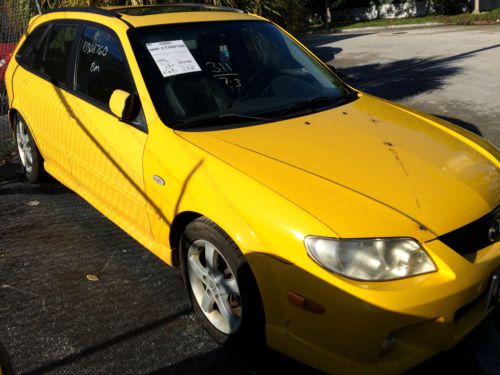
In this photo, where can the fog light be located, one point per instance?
(389, 341)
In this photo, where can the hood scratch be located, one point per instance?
(392, 149)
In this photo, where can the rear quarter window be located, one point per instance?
(31, 52)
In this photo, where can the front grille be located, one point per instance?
(476, 235)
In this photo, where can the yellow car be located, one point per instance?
(346, 231)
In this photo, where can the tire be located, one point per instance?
(3, 98)
(5, 365)
(29, 156)
(232, 311)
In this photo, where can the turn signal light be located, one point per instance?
(305, 303)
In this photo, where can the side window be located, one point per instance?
(31, 52)
(58, 51)
(102, 65)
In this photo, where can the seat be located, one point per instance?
(195, 94)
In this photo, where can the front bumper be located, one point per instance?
(424, 314)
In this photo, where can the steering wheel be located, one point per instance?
(258, 81)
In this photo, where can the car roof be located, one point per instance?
(150, 15)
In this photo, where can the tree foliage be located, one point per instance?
(290, 13)
(450, 6)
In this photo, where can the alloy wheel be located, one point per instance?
(214, 286)
(24, 146)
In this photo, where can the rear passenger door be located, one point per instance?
(105, 153)
(42, 87)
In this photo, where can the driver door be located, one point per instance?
(106, 154)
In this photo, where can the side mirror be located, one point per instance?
(123, 105)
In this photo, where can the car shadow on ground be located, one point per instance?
(463, 124)
(319, 44)
(400, 79)
(316, 40)
(113, 341)
(405, 78)
(327, 54)
(236, 362)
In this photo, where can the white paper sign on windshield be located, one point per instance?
(173, 57)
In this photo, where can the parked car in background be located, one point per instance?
(351, 233)
(6, 50)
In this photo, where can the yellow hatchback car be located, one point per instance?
(346, 231)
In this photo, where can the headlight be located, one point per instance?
(371, 259)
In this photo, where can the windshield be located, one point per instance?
(231, 72)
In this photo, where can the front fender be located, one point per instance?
(255, 217)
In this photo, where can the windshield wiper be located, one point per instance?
(229, 118)
(242, 117)
(221, 119)
(313, 102)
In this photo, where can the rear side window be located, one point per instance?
(58, 51)
(31, 52)
(101, 66)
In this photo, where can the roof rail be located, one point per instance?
(115, 12)
(100, 11)
(179, 5)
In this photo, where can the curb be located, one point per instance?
(415, 25)
(339, 30)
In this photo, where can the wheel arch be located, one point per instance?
(237, 231)
(246, 269)
(182, 220)
(177, 227)
(12, 114)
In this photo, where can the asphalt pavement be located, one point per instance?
(78, 295)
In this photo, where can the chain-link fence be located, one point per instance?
(14, 18)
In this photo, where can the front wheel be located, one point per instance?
(220, 284)
(29, 155)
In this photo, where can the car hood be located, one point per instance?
(423, 168)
